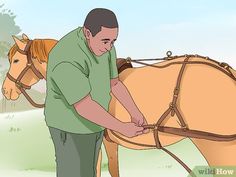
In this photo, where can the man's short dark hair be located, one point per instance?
(99, 17)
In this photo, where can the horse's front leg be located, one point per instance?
(99, 163)
(112, 155)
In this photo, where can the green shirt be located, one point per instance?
(73, 72)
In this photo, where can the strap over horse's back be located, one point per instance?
(123, 64)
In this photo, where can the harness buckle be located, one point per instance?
(172, 105)
(169, 53)
(176, 91)
(155, 127)
(128, 60)
(19, 84)
(185, 127)
(225, 65)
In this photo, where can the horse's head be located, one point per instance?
(18, 59)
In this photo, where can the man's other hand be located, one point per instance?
(139, 120)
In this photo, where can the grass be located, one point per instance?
(26, 150)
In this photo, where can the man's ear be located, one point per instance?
(21, 45)
(87, 33)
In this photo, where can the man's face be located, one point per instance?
(102, 41)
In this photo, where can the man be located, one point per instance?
(81, 72)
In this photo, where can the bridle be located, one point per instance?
(22, 87)
(174, 109)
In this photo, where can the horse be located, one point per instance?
(206, 96)
(205, 101)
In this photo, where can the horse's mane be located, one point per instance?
(39, 49)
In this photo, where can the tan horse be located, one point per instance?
(206, 102)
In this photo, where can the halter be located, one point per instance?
(22, 87)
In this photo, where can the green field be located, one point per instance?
(26, 150)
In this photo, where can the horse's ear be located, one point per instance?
(25, 37)
(21, 45)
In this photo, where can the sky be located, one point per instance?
(147, 28)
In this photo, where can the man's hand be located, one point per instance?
(130, 129)
(139, 120)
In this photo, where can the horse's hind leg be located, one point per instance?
(217, 153)
(112, 155)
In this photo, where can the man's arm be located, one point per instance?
(120, 91)
(92, 111)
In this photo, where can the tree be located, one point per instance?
(8, 28)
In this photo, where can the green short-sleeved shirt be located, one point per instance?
(73, 72)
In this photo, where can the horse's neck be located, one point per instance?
(41, 67)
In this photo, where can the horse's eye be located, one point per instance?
(15, 61)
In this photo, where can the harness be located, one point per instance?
(174, 109)
(22, 87)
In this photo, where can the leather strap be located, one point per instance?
(225, 70)
(148, 145)
(30, 99)
(14, 80)
(173, 108)
(196, 134)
